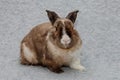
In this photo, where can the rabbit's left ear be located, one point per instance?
(52, 16)
(72, 16)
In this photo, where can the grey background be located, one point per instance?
(98, 24)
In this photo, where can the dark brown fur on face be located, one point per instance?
(35, 48)
(72, 33)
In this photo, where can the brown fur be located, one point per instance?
(74, 35)
(37, 41)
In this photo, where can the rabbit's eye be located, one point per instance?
(69, 33)
(60, 32)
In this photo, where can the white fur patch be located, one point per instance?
(78, 67)
(28, 54)
(75, 64)
(65, 40)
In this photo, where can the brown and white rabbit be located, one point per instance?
(53, 44)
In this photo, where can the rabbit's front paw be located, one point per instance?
(78, 67)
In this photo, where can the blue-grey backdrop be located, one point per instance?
(98, 23)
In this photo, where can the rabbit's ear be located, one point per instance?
(72, 16)
(52, 16)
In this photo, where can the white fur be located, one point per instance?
(70, 58)
(28, 54)
(75, 64)
(65, 40)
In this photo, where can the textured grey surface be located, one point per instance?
(98, 24)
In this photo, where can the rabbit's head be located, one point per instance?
(63, 33)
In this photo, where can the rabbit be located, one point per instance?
(53, 44)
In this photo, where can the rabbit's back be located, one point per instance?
(38, 32)
(34, 44)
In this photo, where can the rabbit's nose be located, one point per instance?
(66, 41)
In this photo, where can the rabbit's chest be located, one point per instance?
(62, 56)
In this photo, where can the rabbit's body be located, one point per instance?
(36, 43)
(52, 46)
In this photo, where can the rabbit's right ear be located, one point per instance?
(52, 16)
